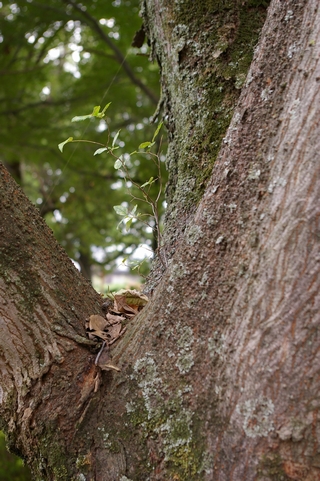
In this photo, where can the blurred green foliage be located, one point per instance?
(58, 60)
(11, 467)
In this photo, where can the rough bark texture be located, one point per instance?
(220, 372)
(204, 50)
(44, 369)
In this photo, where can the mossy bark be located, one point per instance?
(219, 372)
(204, 50)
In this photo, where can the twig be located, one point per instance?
(99, 353)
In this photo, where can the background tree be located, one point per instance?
(59, 61)
(219, 373)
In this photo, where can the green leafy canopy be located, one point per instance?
(57, 61)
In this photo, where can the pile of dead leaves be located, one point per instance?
(119, 308)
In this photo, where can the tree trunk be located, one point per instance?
(220, 372)
(85, 265)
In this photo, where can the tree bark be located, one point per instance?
(45, 362)
(220, 372)
(85, 265)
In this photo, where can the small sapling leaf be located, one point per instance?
(128, 224)
(99, 151)
(136, 264)
(115, 139)
(150, 181)
(62, 144)
(121, 209)
(78, 118)
(118, 163)
(106, 107)
(134, 210)
(96, 111)
(144, 145)
(157, 131)
(128, 217)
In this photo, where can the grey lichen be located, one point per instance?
(217, 346)
(256, 416)
(185, 362)
(171, 422)
(193, 234)
(146, 372)
(185, 340)
(176, 432)
(178, 271)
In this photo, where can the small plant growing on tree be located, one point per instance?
(121, 164)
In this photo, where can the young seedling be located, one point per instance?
(131, 215)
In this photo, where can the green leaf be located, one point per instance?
(115, 138)
(70, 139)
(136, 264)
(128, 224)
(78, 118)
(99, 151)
(96, 111)
(145, 145)
(150, 181)
(121, 209)
(134, 210)
(106, 107)
(118, 163)
(157, 131)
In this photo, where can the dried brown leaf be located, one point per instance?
(127, 302)
(129, 316)
(132, 298)
(94, 327)
(114, 319)
(113, 331)
(100, 334)
(109, 366)
(120, 304)
(97, 323)
(108, 330)
(116, 338)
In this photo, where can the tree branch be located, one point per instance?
(90, 21)
(42, 103)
